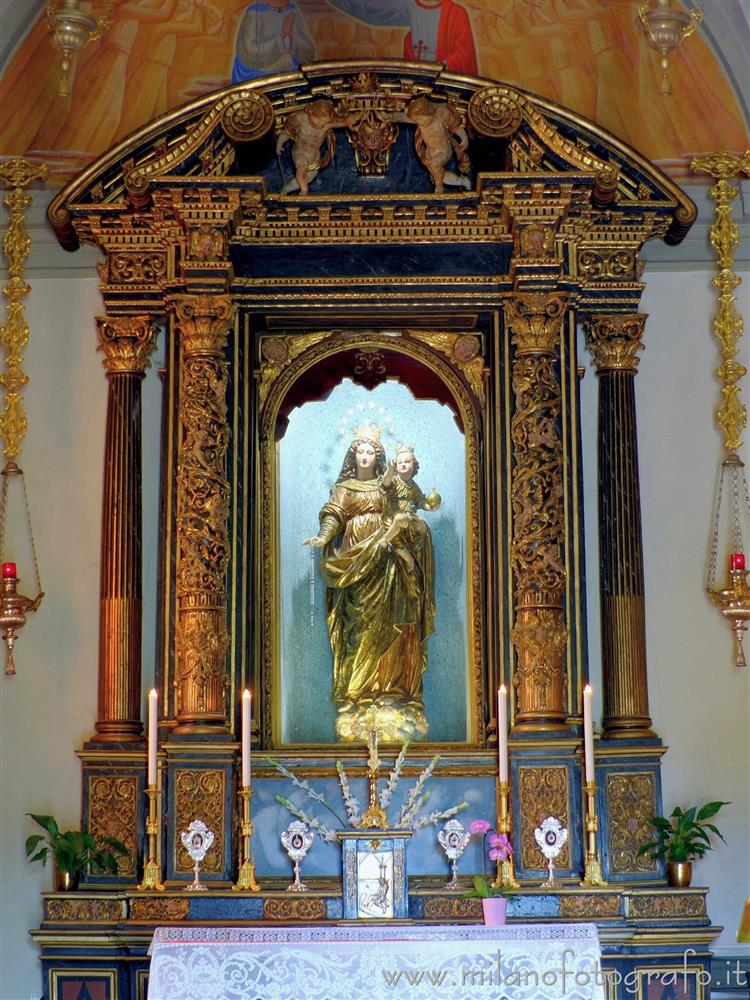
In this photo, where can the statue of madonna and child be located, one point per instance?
(377, 564)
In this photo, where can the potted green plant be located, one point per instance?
(72, 852)
(681, 838)
(496, 847)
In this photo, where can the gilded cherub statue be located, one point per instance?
(308, 129)
(439, 134)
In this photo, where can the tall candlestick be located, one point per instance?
(153, 698)
(588, 734)
(246, 702)
(502, 732)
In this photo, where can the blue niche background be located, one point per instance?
(309, 460)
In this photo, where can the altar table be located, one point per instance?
(365, 962)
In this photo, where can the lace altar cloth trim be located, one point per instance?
(517, 962)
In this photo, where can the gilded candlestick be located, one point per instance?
(593, 867)
(505, 873)
(152, 865)
(246, 871)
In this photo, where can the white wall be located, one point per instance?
(699, 700)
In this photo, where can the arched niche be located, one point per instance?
(308, 410)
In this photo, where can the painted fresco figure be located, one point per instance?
(379, 599)
(308, 129)
(438, 136)
(272, 38)
(439, 30)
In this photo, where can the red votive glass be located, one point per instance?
(736, 561)
(9, 569)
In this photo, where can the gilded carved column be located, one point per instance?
(537, 547)
(201, 637)
(614, 342)
(127, 343)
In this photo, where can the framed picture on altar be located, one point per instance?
(372, 596)
(375, 882)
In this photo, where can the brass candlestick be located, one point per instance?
(505, 875)
(246, 872)
(592, 875)
(152, 866)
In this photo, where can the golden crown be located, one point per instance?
(367, 432)
(404, 448)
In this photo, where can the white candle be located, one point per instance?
(153, 734)
(502, 732)
(246, 701)
(588, 735)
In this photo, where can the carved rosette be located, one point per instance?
(496, 111)
(539, 632)
(614, 342)
(127, 343)
(201, 637)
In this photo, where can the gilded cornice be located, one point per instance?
(127, 342)
(615, 340)
(199, 141)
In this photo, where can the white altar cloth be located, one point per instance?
(365, 962)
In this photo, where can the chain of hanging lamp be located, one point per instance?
(733, 598)
(15, 175)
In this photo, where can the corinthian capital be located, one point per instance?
(614, 341)
(203, 322)
(127, 342)
(535, 319)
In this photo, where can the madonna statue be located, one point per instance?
(378, 573)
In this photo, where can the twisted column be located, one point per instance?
(614, 343)
(537, 547)
(127, 343)
(201, 637)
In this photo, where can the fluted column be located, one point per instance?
(614, 342)
(537, 547)
(127, 343)
(201, 637)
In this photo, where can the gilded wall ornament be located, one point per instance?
(294, 909)
(113, 812)
(142, 267)
(631, 802)
(665, 906)
(590, 906)
(452, 909)
(88, 910)
(158, 910)
(372, 136)
(200, 792)
(542, 792)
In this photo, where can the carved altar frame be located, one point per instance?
(183, 211)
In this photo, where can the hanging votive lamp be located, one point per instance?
(16, 174)
(731, 523)
(730, 536)
(71, 30)
(14, 606)
(666, 28)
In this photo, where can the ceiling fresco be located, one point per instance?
(587, 55)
